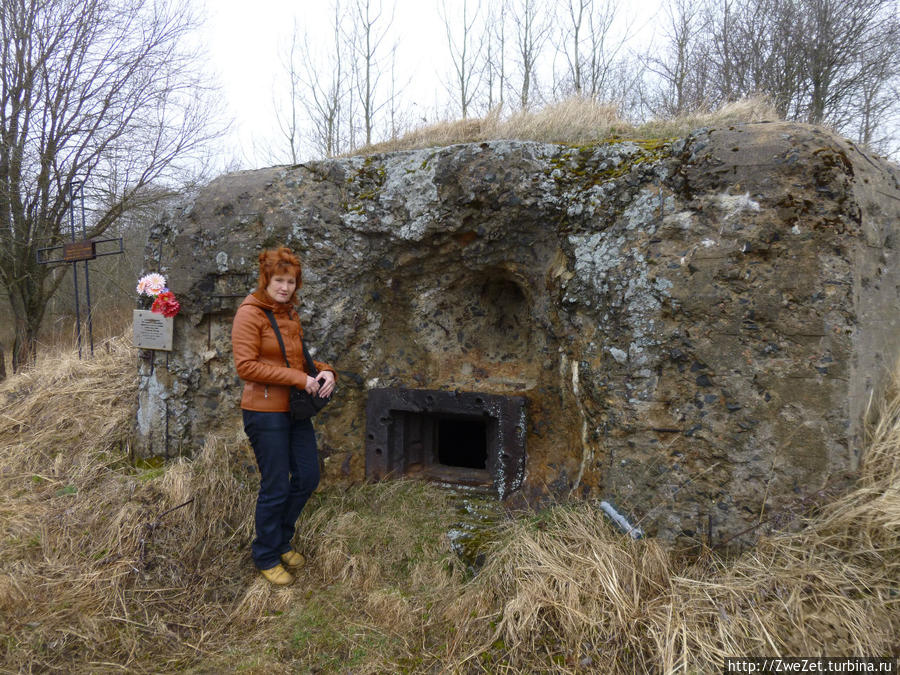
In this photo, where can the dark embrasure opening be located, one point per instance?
(466, 438)
(461, 442)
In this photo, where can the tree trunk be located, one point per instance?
(28, 300)
(24, 351)
(2, 364)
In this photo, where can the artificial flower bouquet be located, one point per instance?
(153, 285)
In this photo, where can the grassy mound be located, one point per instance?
(574, 121)
(107, 566)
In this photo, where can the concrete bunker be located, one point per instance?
(696, 325)
(465, 438)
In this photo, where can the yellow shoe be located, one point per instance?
(278, 575)
(293, 559)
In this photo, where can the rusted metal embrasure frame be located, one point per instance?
(389, 451)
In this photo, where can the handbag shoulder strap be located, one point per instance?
(277, 335)
(311, 368)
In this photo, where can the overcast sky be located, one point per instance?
(244, 40)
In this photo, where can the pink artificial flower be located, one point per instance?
(151, 284)
(166, 304)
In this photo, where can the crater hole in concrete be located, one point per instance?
(500, 319)
(486, 317)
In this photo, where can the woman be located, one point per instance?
(285, 449)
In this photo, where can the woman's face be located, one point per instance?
(281, 287)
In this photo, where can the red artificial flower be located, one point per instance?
(166, 304)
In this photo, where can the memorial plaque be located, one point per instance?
(85, 249)
(152, 330)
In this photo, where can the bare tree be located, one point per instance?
(752, 48)
(531, 27)
(344, 87)
(100, 92)
(591, 52)
(369, 30)
(876, 102)
(466, 51)
(399, 118)
(289, 123)
(571, 42)
(320, 86)
(681, 69)
(843, 42)
(827, 62)
(495, 54)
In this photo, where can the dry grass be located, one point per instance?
(575, 121)
(108, 567)
(565, 591)
(98, 566)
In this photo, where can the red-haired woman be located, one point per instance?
(285, 449)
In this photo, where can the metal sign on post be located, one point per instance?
(152, 330)
(83, 250)
(80, 250)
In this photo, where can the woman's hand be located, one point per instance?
(312, 386)
(328, 387)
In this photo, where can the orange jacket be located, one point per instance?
(257, 356)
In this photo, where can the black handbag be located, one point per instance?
(303, 404)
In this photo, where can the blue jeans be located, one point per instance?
(288, 464)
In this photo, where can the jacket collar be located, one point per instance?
(263, 300)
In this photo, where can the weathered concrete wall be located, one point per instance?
(698, 324)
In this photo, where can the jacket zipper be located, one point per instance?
(266, 395)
